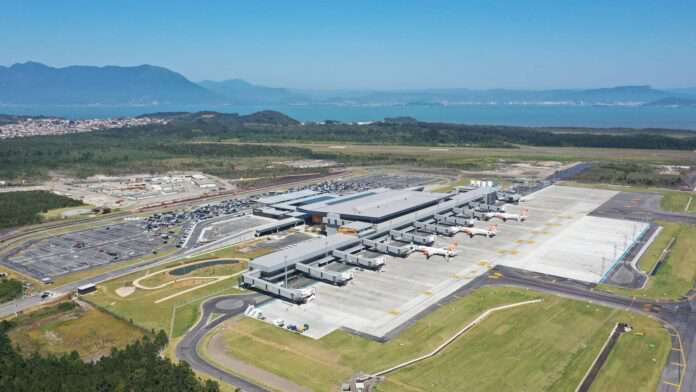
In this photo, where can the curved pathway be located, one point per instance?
(187, 350)
(141, 286)
(679, 317)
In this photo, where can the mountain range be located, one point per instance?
(33, 83)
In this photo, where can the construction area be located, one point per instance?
(389, 255)
(137, 190)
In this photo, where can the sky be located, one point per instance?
(385, 44)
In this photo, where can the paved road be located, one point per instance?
(22, 304)
(186, 350)
(678, 317)
(19, 305)
(641, 207)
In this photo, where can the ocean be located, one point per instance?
(522, 115)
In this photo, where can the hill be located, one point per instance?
(34, 83)
(266, 117)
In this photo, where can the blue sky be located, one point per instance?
(367, 44)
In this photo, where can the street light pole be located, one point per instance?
(285, 263)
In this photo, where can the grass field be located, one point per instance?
(678, 202)
(677, 275)
(545, 346)
(140, 307)
(63, 328)
(463, 155)
(210, 271)
(66, 213)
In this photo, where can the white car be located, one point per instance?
(47, 294)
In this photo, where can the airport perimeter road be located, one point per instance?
(187, 349)
(641, 207)
(679, 373)
(19, 305)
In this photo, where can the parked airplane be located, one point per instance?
(472, 231)
(434, 251)
(504, 216)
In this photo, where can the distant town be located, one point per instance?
(58, 126)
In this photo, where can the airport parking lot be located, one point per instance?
(231, 227)
(77, 251)
(558, 239)
(371, 181)
(279, 241)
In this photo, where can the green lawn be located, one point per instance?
(63, 328)
(677, 201)
(140, 307)
(677, 275)
(625, 369)
(546, 346)
(210, 271)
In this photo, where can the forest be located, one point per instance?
(10, 289)
(177, 144)
(636, 174)
(25, 208)
(137, 367)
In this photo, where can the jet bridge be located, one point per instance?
(485, 207)
(464, 212)
(469, 213)
(436, 229)
(411, 237)
(361, 261)
(299, 296)
(454, 220)
(334, 277)
(390, 249)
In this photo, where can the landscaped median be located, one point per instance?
(169, 296)
(541, 346)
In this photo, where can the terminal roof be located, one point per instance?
(377, 204)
